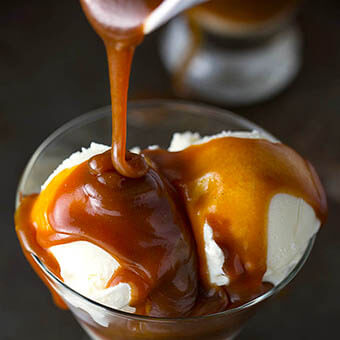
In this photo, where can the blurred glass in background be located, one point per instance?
(234, 52)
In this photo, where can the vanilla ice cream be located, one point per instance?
(291, 222)
(84, 266)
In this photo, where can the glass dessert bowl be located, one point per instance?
(149, 123)
(234, 52)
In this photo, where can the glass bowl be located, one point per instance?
(234, 61)
(149, 123)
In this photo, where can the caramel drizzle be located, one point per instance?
(120, 25)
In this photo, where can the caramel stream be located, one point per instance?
(120, 25)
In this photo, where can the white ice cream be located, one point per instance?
(291, 225)
(87, 268)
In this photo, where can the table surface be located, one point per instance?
(53, 68)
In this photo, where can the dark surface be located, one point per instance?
(52, 69)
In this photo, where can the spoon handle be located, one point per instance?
(167, 10)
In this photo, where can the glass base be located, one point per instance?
(232, 72)
(91, 336)
(149, 123)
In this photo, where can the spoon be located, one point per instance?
(166, 11)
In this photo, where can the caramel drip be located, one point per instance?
(120, 25)
(245, 11)
(119, 67)
(27, 234)
(228, 184)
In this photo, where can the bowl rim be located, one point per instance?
(195, 108)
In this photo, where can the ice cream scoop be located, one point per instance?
(122, 242)
(291, 222)
(253, 205)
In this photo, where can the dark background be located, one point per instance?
(53, 68)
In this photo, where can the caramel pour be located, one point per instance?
(27, 235)
(150, 216)
(120, 25)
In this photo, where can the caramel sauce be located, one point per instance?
(228, 183)
(120, 25)
(148, 210)
(137, 221)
